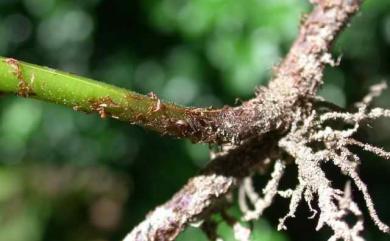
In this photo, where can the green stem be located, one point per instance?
(87, 95)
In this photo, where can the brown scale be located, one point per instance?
(24, 89)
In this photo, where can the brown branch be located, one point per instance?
(297, 78)
(203, 192)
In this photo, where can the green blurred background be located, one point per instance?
(67, 176)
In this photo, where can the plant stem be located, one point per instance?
(86, 95)
(263, 118)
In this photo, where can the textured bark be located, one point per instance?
(203, 192)
(255, 125)
(298, 77)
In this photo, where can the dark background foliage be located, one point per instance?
(68, 176)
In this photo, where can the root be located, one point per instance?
(269, 192)
(333, 204)
(311, 142)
